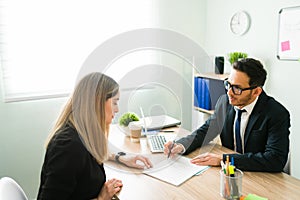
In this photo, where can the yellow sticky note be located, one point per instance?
(254, 197)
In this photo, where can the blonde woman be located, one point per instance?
(78, 145)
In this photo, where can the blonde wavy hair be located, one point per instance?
(85, 111)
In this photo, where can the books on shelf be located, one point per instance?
(207, 91)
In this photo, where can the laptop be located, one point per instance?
(158, 122)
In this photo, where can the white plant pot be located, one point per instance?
(125, 130)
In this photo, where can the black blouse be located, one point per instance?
(69, 170)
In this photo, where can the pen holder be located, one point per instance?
(231, 186)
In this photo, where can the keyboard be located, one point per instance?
(156, 143)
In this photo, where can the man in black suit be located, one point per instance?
(263, 142)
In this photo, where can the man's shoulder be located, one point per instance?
(269, 103)
(223, 103)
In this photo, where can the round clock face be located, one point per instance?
(240, 23)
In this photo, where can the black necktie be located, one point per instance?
(238, 140)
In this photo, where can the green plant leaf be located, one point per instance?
(128, 117)
(235, 56)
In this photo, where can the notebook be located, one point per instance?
(158, 122)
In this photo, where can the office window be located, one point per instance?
(44, 43)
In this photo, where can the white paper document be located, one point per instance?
(174, 171)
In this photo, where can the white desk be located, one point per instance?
(204, 186)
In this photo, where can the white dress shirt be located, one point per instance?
(244, 120)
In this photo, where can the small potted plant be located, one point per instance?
(235, 56)
(125, 119)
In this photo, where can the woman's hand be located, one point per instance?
(109, 189)
(136, 161)
(207, 159)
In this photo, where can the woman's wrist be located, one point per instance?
(118, 157)
(112, 157)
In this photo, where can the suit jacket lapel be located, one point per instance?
(229, 127)
(252, 119)
(254, 116)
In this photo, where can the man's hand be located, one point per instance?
(177, 149)
(210, 159)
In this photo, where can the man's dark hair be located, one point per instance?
(254, 69)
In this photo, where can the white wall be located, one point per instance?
(188, 19)
(260, 42)
(24, 127)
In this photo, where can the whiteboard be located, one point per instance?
(288, 47)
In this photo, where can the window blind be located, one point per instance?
(44, 43)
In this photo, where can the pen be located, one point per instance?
(171, 149)
(234, 184)
(227, 187)
(167, 131)
(227, 165)
(223, 167)
(115, 197)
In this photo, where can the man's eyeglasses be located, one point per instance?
(236, 89)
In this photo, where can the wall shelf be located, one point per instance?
(204, 110)
(212, 76)
(215, 89)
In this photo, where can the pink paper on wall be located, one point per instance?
(285, 46)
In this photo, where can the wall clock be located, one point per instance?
(240, 23)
